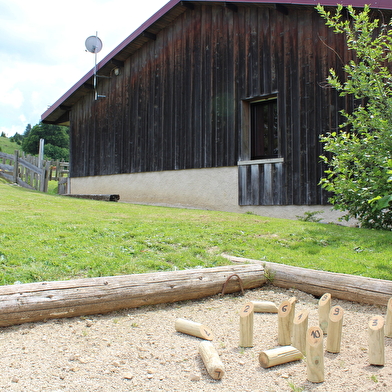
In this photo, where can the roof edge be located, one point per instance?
(379, 4)
(109, 56)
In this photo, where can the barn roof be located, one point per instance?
(58, 112)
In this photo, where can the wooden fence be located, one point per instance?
(58, 170)
(27, 171)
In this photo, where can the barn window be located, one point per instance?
(264, 129)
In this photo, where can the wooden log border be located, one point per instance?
(47, 300)
(348, 287)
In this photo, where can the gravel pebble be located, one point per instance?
(139, 349)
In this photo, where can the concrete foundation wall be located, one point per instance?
(209, 189)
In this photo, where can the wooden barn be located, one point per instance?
(211, 104)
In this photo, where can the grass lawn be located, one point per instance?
(7, 146)
(49, 237)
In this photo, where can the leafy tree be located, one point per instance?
(17, 138)
(359, 166)
(3, 134)
(27, 130)
(56, 152)
(56, 141)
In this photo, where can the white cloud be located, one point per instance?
(10, 131)
(13, 98)
(42, 50)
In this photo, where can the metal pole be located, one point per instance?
(95, 67)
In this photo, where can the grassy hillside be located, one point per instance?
(48, 237)
(7, 146)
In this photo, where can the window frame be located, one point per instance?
(246, 132)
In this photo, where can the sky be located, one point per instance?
(43, 54)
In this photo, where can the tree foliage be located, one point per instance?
(56, 141)
(27, 130)
(360, 161)
(18, 138)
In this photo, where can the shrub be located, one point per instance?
(359, 164)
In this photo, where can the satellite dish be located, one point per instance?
(93, 44)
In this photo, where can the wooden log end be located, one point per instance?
(246, 325)
(211, 360)
(206, 333)
(194, 329)
(314, 337)
(247, 309)
(279, 356)
(325, 298)
(376, 323)
(301, 317)
(284, 309)
(336, 314)
(334, 331)
(264, 307)
(376, 341)
(315, 355)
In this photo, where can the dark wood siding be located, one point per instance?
(178, 101)
(270, 179)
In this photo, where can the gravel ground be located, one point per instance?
(139, 350)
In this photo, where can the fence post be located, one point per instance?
(57, 170)
(16, 166)
(46, 176)
(41, 153)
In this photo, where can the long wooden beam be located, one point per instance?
(349, 287)
(47, 300)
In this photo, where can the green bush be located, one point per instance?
(56, 141)
(56, 153)
(359, 162)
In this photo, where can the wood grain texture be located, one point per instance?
(264, 307)
(315, 355)
(388, 320)
(324, 306)
(300, 327)
(376, 341)
(343, 286)
(211, 360)
(279, 355)
(193, 328)
(335, 324)
(246, 325)
(177, 102)
(39, 301)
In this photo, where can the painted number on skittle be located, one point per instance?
(315, 334)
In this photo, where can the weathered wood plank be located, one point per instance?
(39, 301)
(5, 167)
(178, 103)
(7, 176)
(348, 287)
